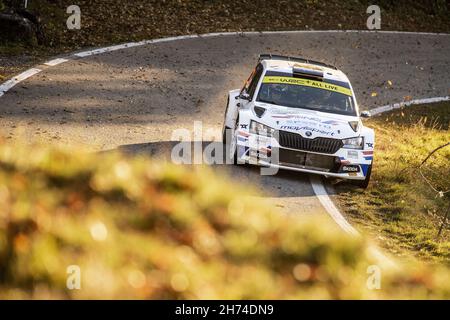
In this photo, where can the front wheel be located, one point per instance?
(364, 183)
(232, 150)
(224, 127)
(224, 134)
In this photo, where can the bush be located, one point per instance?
(139, 228)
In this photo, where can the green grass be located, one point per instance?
(399, 208)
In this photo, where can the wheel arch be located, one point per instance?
(231, 111)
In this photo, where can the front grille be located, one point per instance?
(321, 145)
(305, 160)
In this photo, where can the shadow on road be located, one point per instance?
(283, 184)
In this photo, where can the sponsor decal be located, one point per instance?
(242, 133)
(242, 139)
(332, 122)
(242, 151)
(352, 154)
(244, 126)
(304, 120)
(344, 161)
(349, 168)
(298, 128)
(282, 116)
(307, 123)
(292, 114)
(365, 168)
(264, 150)
(308, 83)
(369, 144)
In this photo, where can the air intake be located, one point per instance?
(259, 111)
(307, 73)
(320, 145)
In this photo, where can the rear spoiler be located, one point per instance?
(269, 56)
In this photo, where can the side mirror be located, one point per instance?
(365, 114)
(244, 96)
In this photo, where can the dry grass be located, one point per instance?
(400, 208)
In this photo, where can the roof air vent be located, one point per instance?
(307, 73)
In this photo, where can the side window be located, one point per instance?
(248, 81)
(254, 82)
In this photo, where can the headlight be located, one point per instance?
(354, 143)
(261, 129)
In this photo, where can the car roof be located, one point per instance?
(282, 65)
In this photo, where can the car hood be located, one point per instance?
(309, 123)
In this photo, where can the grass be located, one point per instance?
(138, 228)
(399, 208)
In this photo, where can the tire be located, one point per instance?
(224, 134)
(235, 161)
(234, 156)
(364, 183)
(228, 146)
(224, 128)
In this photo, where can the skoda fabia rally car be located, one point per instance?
(302, 115)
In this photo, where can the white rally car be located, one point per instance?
(302, 115)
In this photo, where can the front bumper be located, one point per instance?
(266, 151)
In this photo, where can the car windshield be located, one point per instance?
(307, 94)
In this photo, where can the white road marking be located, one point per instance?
(4, 87)
(321, 192)
(245, 33)
(336, 215)
(55, 62)
(333, 211)
(21, 77)
(110, 49)
(399, 105)
(319, 188)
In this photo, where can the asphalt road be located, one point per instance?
(134, 98)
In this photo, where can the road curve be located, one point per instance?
(135, 98)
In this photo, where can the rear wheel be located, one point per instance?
(364, 183)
